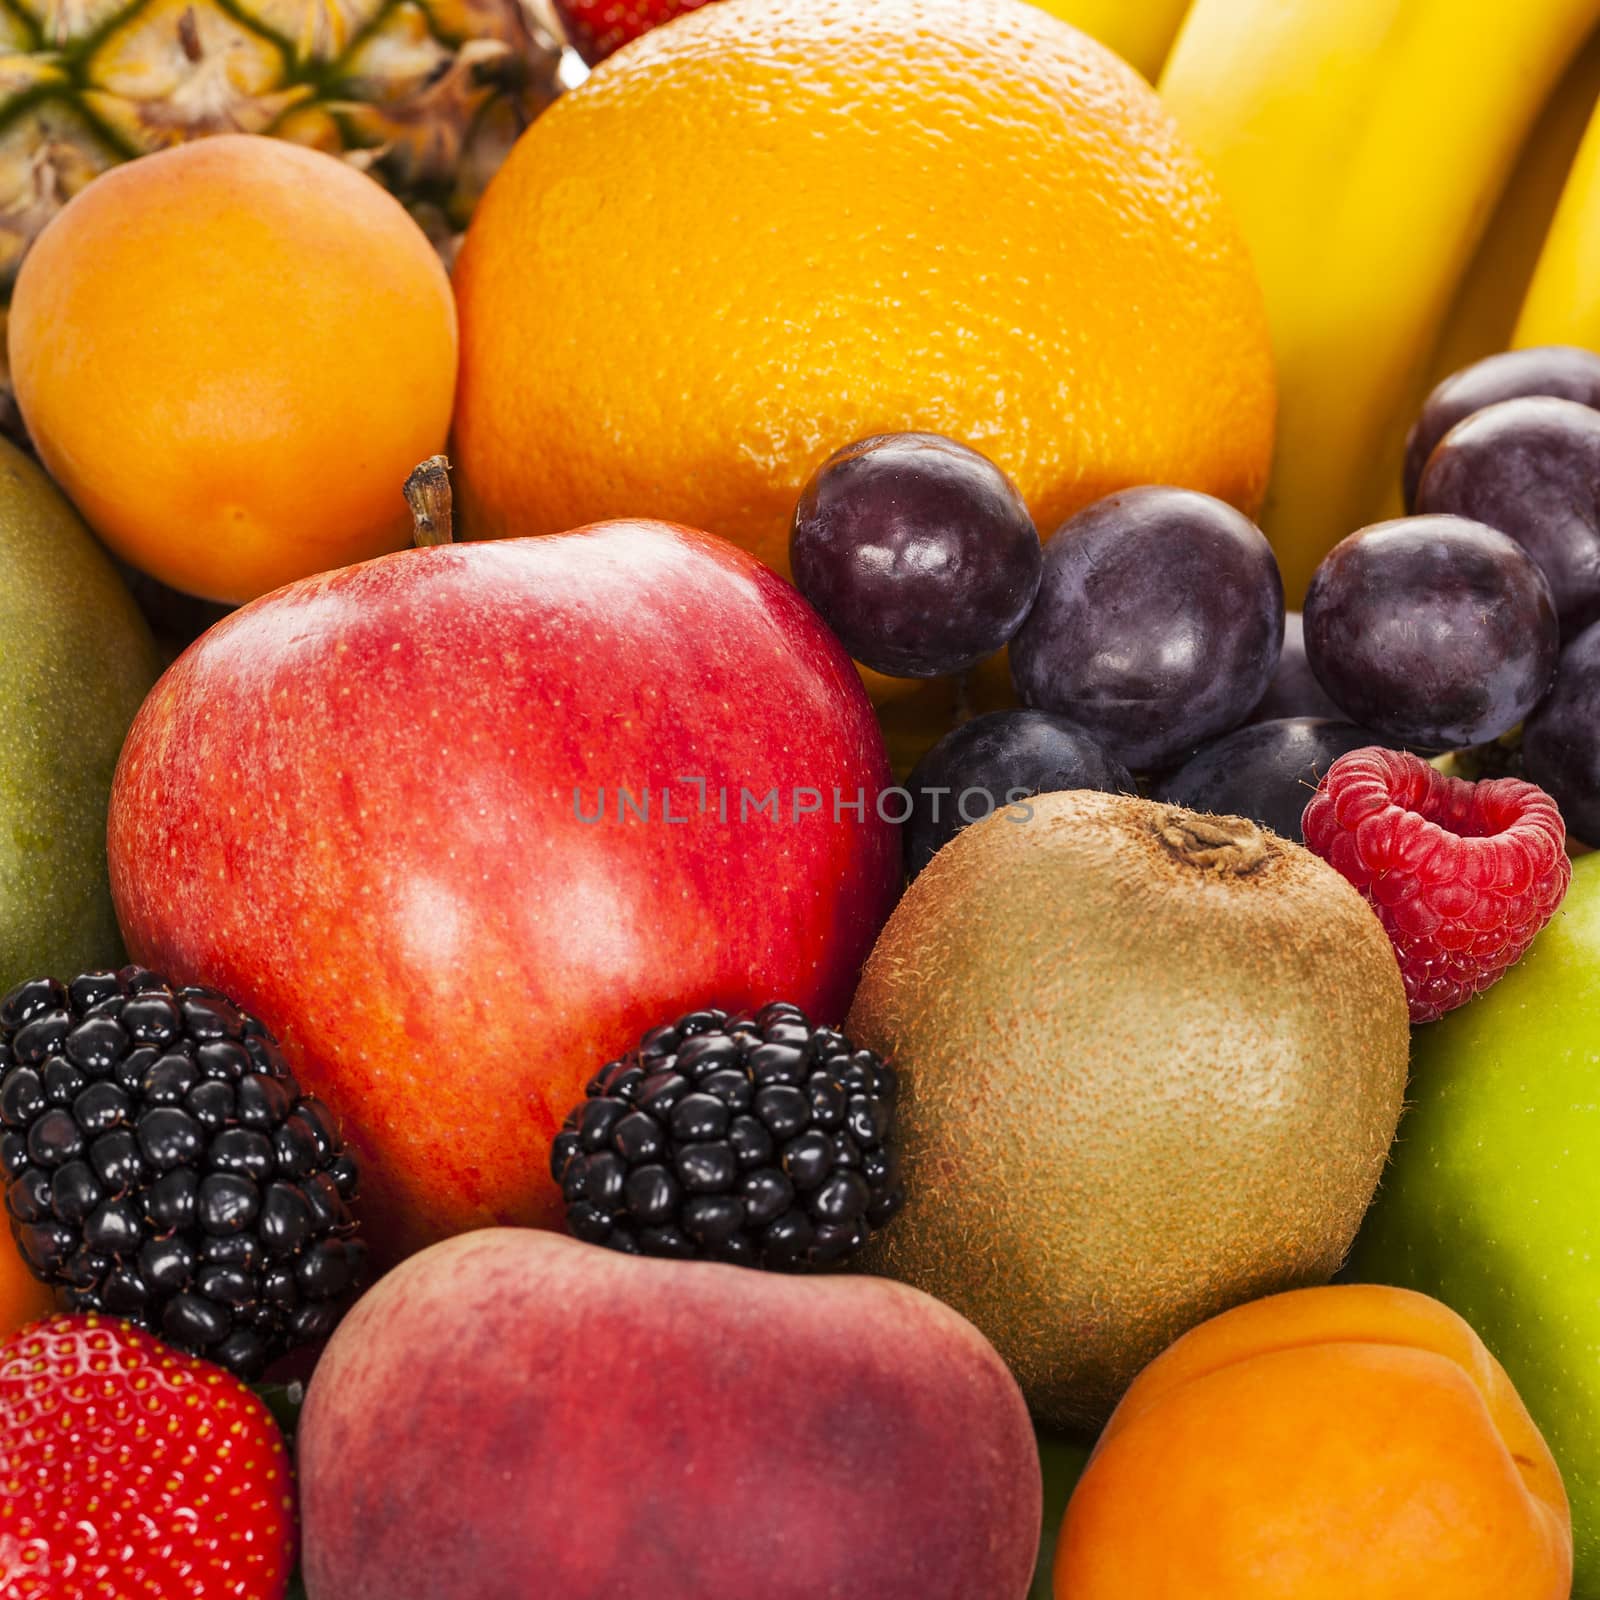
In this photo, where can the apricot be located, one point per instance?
(1320, 1445)
(230, 354)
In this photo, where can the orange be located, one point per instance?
(23, 1299)
(230, 355)
(776, 226)
(1325, 1444)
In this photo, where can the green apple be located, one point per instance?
(1493, 1199)
(76, 661)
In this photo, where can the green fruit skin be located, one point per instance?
(78, 661)
(1493, 1200)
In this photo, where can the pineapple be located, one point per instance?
(427, 95)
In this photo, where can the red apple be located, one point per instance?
(362, 807)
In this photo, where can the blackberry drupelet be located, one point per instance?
(760, 1140)
(161, 1165)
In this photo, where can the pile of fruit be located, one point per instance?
(855, 762)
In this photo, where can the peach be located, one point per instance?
(513, 1414)
(1320, 1445)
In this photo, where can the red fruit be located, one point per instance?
(131, 1471)
(1462, 875)
(517, 1416)
(597, 27)
(369, 808)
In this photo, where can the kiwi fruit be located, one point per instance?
(1151, 1066)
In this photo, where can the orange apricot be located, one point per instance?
(1320, 1445)
(230, 355)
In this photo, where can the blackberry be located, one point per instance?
(161, 1165)
(760, 1140)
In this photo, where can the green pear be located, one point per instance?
(76, 661)
(1493, 1199)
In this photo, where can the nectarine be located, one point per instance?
(513, 1414)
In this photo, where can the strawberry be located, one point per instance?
(130, 1471)
(597, 27)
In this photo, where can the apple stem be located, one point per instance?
(432, 505)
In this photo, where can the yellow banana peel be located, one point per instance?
(1563, 299)
(1483, 315)
(1140, 31)
(1363, 145)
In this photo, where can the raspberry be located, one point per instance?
(1462, 875)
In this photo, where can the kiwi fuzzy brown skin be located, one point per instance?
(1151, 1067)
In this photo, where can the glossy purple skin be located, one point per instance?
(1435, 632)
(1561, 742)
(1267, 771)
(1530, 468)
(918, 552)
(1158, 625)
(987, 763)
(1294, 690)
(1562, 370)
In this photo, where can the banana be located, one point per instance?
(1484, 312)
(1363, 145)
(1140, 31)
(1563, 299)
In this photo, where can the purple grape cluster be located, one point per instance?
(1149, 645)
(1514, 442)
